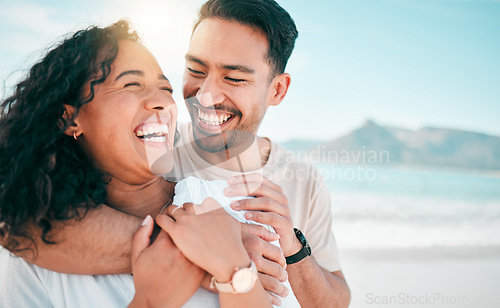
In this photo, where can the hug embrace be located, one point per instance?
(106, 202)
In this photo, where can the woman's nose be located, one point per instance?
(157, 99)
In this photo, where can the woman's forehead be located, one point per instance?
(132, 55)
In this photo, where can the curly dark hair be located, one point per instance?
(44, 174)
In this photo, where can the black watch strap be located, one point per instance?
(301, 254)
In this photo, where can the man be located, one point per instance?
(234, 72)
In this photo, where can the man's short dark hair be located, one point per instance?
(266, 16)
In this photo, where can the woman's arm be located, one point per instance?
(163, 277)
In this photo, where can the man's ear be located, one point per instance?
(280, 85)
(72, 127)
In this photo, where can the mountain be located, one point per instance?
(429, 146)
(370, 143)
(454, 148)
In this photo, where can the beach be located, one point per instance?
(439, 277)
(418, 238)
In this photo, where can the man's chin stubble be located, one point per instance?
(223, 142)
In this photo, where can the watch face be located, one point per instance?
(308, 249)
(244, 280)
(301, 237)
(303, 241)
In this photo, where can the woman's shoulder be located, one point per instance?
(196, 190)
(12, 267)
(23, 284)
(20, 285)
(194, 181)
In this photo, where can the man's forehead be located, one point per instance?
(227, 43)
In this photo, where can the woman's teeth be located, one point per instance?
(156, 139)
(213, 119)
(153, 132)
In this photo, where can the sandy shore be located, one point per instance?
(437, 277)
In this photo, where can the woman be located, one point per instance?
(78, 132)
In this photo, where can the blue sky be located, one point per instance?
(407, 63)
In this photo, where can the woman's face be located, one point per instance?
(128, 128)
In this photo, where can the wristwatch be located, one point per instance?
(242, 281)
(304, 252)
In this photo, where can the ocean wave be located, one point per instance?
(371, 220)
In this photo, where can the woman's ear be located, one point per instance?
(67, 120)
(280, 85)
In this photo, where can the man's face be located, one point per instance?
(227, 83)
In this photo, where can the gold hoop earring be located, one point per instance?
(74, 135)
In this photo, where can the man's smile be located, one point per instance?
(213, 120)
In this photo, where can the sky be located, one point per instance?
(405, 63)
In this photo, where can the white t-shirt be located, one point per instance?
(26, 285)
(308, 196)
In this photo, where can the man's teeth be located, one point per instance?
(154, 132)
(212, 119)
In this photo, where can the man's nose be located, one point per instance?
(210, 93)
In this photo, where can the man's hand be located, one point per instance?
(163, 277)
(269, 208)
(268, 258)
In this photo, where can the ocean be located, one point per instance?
(397, 208)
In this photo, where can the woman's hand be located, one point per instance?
(267, 257)
(163, 277)
(208, 236)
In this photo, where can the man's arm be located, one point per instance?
(100, 243)
(316, 287)
(325, 289)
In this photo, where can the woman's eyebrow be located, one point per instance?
(131, 72)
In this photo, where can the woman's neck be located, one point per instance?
(140, 200)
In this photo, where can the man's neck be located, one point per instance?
(139, 200)
(250, 159)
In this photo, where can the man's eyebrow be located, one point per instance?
(163, 77)
(228, 67)
(194, 59)
(240, 68)
(131, 72)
